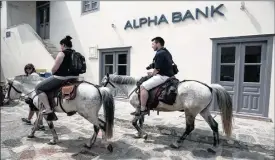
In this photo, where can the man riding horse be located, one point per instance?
(163, 70)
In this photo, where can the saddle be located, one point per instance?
(166, 92)
(67, 91)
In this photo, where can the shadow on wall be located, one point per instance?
(253, 20)
(66, 19)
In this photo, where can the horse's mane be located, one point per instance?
(31, 79)
(122, 79)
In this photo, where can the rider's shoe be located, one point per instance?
(42, 128)
(133, 113)
(26, 121)
(142, 113)
(45, 112)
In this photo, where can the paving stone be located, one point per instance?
(249, 155)
(74, 131)
(246, 138)
(5, 153)
(27, 154)
(200, 153)
(266, 141)
(227, 153)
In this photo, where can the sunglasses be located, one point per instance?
(28, 68)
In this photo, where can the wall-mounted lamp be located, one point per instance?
(242, 5)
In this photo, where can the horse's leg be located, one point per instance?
(190, 125)
(93, 139)
(141, 133)
(141, 121)
(36, 125)
(213, 125)
(102, 126)
(134, 101)
(55, 137)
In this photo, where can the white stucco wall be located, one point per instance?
(26, 10)
(3, 16)
(188, 41)
(21, 48)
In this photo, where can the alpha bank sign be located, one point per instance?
(175, 16)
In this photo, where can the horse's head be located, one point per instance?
(124, 83)
(21, 84)
(106, 80)
(14, 89)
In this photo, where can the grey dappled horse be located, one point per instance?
(193, 97)
(87, 103)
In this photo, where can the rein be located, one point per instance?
(16, 90)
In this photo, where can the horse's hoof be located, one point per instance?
(30, 136)
(137, 136)
(145, 136)
(110, 148)
(52, 142)
(211, 151)
(174, 145)
(86, 146)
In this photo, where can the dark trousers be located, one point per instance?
(48, 85)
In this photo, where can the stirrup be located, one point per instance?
(142, 113)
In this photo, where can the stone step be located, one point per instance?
(53, 49)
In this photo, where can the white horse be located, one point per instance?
(87, 102)
(193, 97)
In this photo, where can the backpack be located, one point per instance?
(78, 63)
(175, 67)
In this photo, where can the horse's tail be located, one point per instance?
(108, 106)
(225, 104)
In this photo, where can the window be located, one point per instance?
(115, 60)
(227, 63)
(252, 63)
(89, 6)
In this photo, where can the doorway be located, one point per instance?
(242, 68)
(43, 19)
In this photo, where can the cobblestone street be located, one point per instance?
(251, 139)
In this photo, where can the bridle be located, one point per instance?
(108, 82)
(10, 83)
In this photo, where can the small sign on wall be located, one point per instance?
(93, 52)
(8, 34)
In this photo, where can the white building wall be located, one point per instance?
(188, 41)
(26, 10)
(3, 17)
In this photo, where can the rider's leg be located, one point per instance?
(143, 98)
(48, 85)
(147, 86)
(44, 99)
